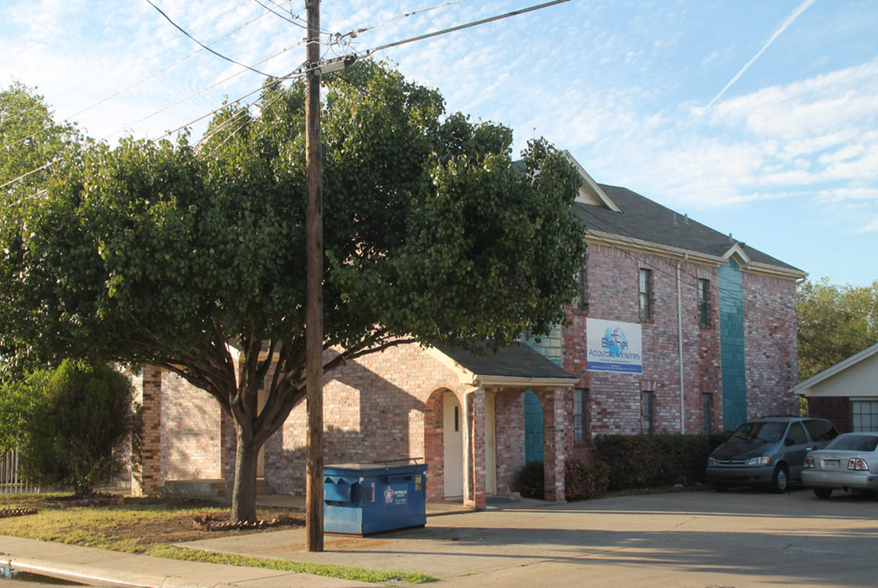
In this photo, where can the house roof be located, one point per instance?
(803, 386)
(640, 220)
(515, 365)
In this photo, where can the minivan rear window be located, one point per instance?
(761, 432)
(854, 443)
(821, 430)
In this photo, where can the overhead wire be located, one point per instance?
(162, 70)
(220, 55)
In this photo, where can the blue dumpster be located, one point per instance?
(360, 499)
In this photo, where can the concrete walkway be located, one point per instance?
(693, 540)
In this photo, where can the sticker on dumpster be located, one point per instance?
(395, 496)
(417, 483)
(373, 491)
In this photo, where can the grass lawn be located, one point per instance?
(150, 526)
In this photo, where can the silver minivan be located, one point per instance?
(768, 451)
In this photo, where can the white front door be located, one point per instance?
(452, 439)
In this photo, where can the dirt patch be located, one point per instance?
(137, 524)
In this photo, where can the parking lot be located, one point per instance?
(698, 539)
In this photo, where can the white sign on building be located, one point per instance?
(613, 346)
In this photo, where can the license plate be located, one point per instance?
(830, 464)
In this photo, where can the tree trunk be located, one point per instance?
(244, 493)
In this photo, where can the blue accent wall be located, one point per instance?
(549, 347)
(731, 320)
(533, 428)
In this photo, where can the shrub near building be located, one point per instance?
(76, 435)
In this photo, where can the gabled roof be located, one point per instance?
(518, 365)
(641, 221)
(802, 387)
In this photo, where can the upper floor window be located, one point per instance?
(581, 302)
(645, 294)
(580, 415)
(704, 301)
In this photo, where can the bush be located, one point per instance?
(643, 461)
(18, 401)
(79, 427)
(532, 480)
(584, 481)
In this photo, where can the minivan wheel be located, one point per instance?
(822, 492)
(779, 481)
(720, 487)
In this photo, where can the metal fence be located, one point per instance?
(11, 479)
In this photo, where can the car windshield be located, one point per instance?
(854, 443)
(759, 433)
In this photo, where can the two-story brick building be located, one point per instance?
(678, 328)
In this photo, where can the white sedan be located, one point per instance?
(849, 462)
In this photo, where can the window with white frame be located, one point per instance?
(865, 415)
(580, 415)
(645, 294)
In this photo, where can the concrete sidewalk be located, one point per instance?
(97, 567)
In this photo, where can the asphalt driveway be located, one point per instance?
(698, 539)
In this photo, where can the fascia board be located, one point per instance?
(738, 251)
(590, 184)
(634, 244)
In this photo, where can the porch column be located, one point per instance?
(557, 439)
(148, 481)
(474, 495)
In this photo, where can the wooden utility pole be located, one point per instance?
(314, 301)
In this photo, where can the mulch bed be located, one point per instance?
(16, 512)
(211, 523)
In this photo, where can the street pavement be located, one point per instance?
(698, 539)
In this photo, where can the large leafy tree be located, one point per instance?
(175, 255)
(30, 141)
(835, 322)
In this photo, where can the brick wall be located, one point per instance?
(772, 366)
(191, 444)
(836, 409)
(614, 398)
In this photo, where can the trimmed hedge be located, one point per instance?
(644, 461)
(584, 481)
(532, 480)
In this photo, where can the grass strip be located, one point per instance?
(285, 565)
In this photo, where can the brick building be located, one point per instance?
(678, 328)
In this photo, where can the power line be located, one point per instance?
(464, 26)
(220, 55)
(132, 60)
(356, 32)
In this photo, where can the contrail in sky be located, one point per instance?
(790, 19)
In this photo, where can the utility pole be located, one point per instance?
(314, 300)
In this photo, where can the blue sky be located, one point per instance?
(755, 118)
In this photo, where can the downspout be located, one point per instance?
(680, 349)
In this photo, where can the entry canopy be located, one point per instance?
(518, 365)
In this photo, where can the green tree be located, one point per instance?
(835, 322)
(171, 255)
(76, 434)
(29, 140)
(18, 401)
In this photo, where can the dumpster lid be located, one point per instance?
(413, 464)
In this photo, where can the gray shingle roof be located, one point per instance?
(641, 218)
(517, 361)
